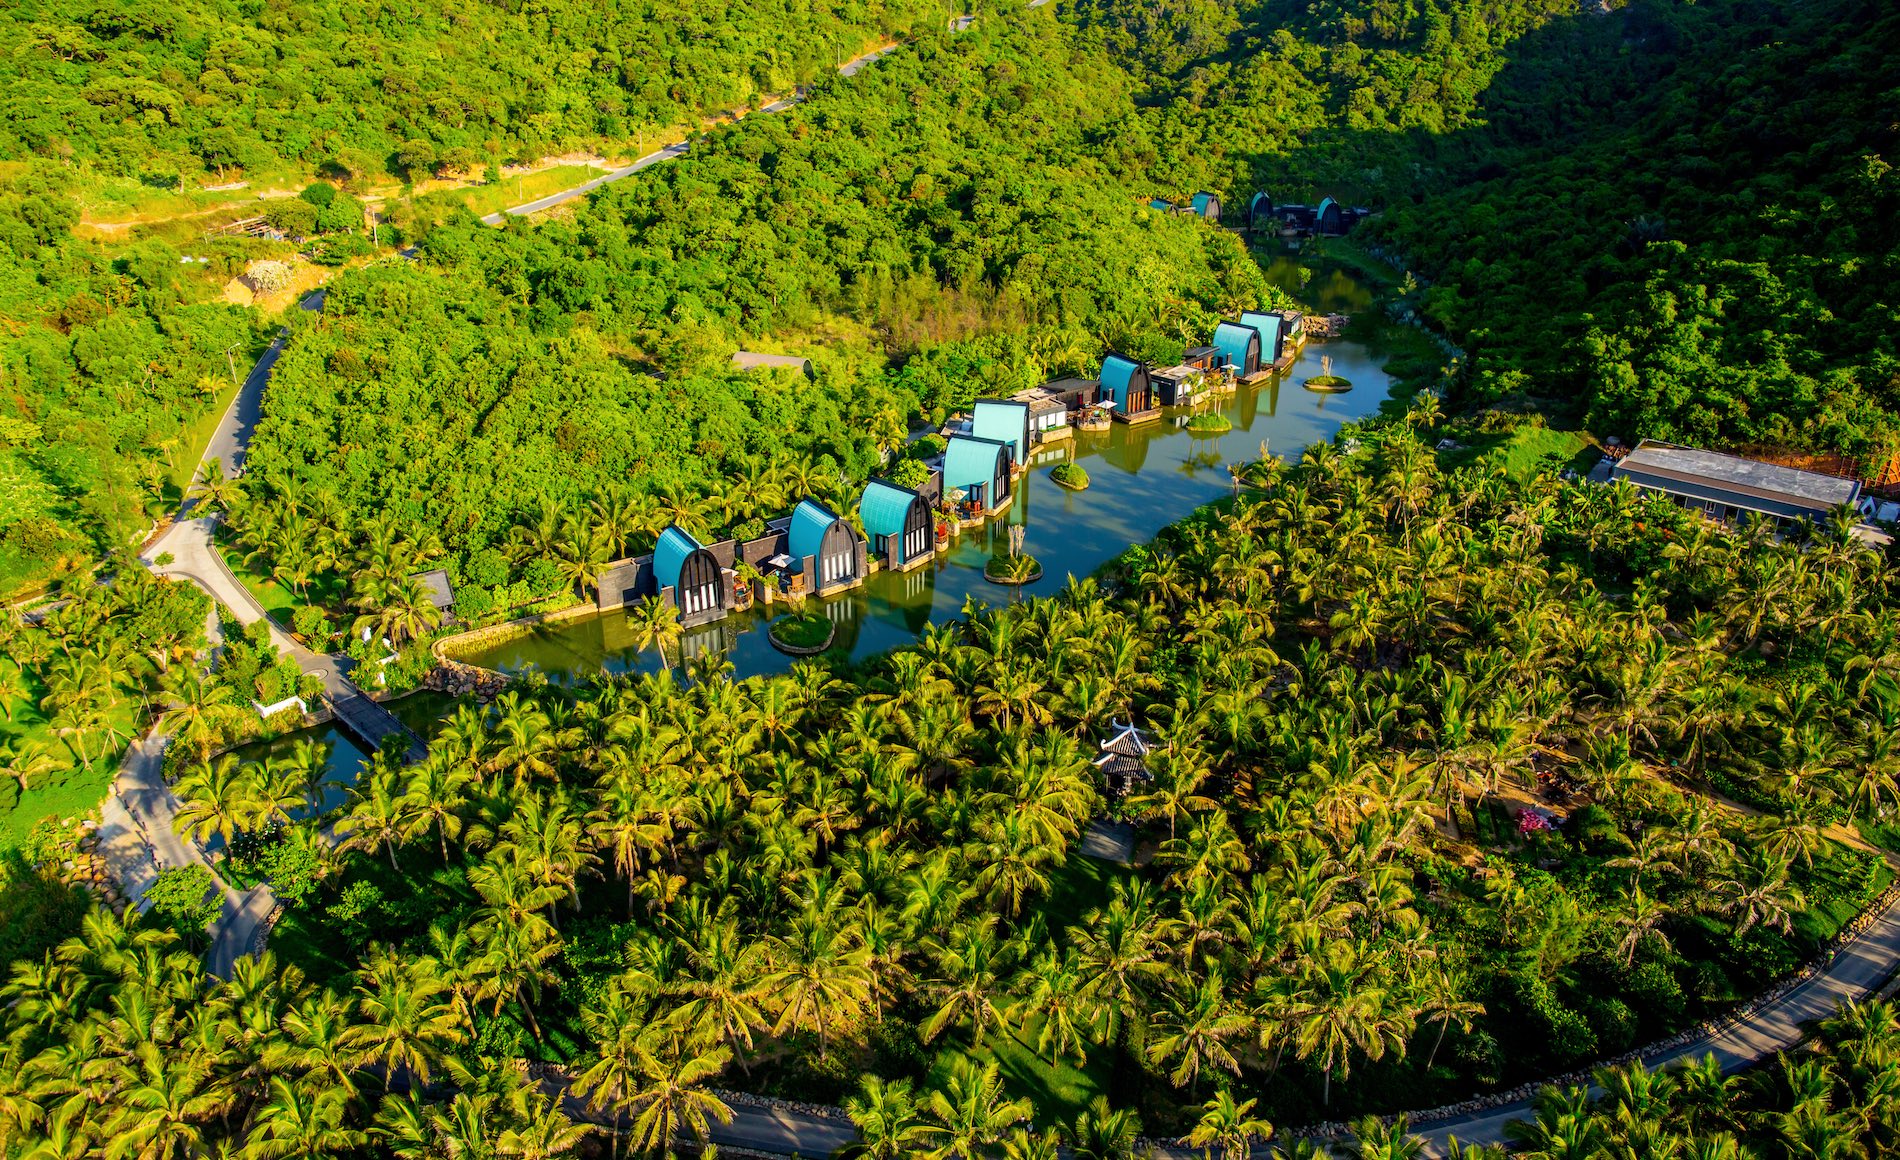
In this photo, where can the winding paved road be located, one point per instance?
(1858, 969)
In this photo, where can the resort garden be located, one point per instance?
(1455, 780)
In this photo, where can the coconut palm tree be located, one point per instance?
(888, 1118)
(1229, 1129)
(1196, 1029)
(668, 1102)
(378, 814)
(1103, 1132)
(969, 1115)
(1757, 891)
(655, 625)
(220, 800)
(298, 1120)
(817, 973)
(407, 1024)
(25, 760)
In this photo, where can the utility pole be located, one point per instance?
(231, 362)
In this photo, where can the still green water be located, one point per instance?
(344, 755)
(1140, 480)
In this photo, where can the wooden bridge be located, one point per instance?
(372, 724)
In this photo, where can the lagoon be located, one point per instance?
(1141, 480)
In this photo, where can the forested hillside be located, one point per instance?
(936, 228)
(106, 359)
(1610, 244)
(1682, 216)
(200, 87)
(1663, 220)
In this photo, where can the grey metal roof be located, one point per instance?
(436, 583)
(1664, 463)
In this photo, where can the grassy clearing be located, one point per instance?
(1524, 451)
(511, 191)
(192, 441)
(1059, 1088)
(279, 601)
(72, 790)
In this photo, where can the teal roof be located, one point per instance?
(1004, 421)
(969, 462)
(810, 521)
(1232, 340)
(1201, 201)
(1326, 203)
(1268, 326)
(1161, 204)
(669, 555)
(883, 508)
(1253, 207)
(1116, 372)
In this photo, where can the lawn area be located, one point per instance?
(526, 187)
(1059, 1088)
(277, 600)
(1079, 886)
(72, 790)
(1524, 451)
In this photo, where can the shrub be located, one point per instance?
(751, 529)
(185, 899)
(487, 568)
(310, 623)
(473, 603)
(1070, 475)
(293, 869)
(358, 911)
(1653, 991)
(293, 216)
(543, 578)
(910, 473)
(927, 447)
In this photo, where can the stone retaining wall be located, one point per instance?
(506, 630)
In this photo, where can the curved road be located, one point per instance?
(1857, 969)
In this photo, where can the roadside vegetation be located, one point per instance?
(1403, 846)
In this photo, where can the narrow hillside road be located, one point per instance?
(669, 152)
(232, 438)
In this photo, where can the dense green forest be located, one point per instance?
(197, 89)
(937, 229)
(1684, 219)
(863, 885)
(1663, 220)
(1608, 245)
(107, 358)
